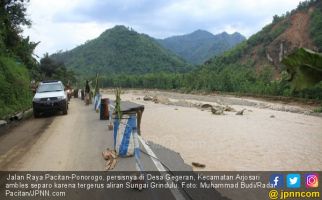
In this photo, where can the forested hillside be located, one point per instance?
(121, 50)
(16, 61)
(17, 64)
(199, 46)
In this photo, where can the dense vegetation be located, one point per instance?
(199, 46)
(304, 67)
(232, 78)
(51, 69)
(17, 65)
(121, 50)
(316, 25)
(15, 93)
(16, 59)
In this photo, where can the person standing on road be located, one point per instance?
(87, 91)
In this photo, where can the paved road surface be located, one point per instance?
(74, 142)
(66, 143)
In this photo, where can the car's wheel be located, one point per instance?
(65, 109)
(36, 114)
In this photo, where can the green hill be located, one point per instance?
(300, 28)
(200, 45)
(121, 50)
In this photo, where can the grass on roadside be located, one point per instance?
(15, 93)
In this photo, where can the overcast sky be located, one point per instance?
(65, 24)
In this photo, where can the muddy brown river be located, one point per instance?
(264, 138)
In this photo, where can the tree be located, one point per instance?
(276, 19)
(48, 66)
(55, 70)
(12, 18)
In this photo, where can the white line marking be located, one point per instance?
(149, 151)
(176, 193)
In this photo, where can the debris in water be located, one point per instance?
(229, 109)
(147, 98)
(155, 99)
(217, 110)
(241, 112)
(206, 105)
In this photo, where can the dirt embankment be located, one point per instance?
(298, 33)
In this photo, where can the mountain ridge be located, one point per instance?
(121, 50)
(200, 45)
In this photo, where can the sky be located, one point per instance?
(65, 24)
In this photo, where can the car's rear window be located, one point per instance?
(50, 87)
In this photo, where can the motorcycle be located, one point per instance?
(69, 94)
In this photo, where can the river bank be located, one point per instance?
(268, 136)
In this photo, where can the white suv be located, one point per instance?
(50, 96)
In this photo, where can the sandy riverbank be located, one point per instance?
(269, 136)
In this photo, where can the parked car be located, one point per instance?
(50, 97)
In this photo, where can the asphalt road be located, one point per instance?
(74, 142)
(70, 142)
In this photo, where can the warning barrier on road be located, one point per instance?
(125, 135)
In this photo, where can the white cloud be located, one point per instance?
(62, 25)
(55, 36)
